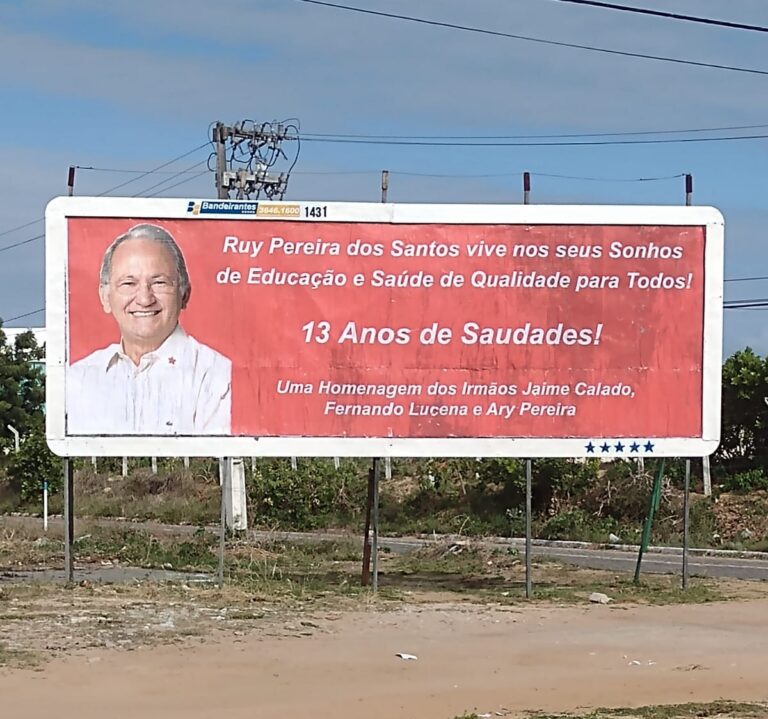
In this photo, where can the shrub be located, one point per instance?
(32, 465)
(308, 497)
(748, 481)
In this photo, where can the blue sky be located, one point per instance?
(129, 86)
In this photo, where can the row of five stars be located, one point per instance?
(619, 447)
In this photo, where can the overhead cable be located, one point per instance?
(668, 15)
(588, 143)
(542, 41)
(727, 128)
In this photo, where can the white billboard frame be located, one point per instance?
(60, 209)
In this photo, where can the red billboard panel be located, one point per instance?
(434, 328)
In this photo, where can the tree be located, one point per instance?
(744, 437)
(22, 387)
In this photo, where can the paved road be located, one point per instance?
(618, 558)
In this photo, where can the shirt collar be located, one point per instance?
(169, 351)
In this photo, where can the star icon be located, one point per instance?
(605, 447)
(648, 446)
(634, 447)
(171, 360)
(590, 448)
(619, 447)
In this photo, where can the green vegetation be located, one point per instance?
(17, 658)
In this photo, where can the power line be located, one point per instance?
(535, 136)
(21, 227)
(589, 143)
(181, 182)
(23, 242)
(542, 41)
(26, 314)
(746, 302)
(747, 305)
(122, 170)
(154, 169)
(745, 279)
(670, 15)
(173, 177)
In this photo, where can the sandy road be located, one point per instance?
(470, 658)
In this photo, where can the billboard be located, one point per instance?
(229, 328)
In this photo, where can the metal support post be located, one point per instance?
(69, 520)
(528, 539)
(375, 544)
(686, 520)
(653, 506)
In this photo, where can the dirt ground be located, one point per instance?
(498, 660)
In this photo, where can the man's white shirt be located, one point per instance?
(183, 387)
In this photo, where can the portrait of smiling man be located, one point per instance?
(156, 379)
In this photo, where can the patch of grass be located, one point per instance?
(499, 575)
(654, 589)
(140, 548)
(300, 569)
(725, 709)
(17, 658)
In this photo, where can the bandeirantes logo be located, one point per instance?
(222, 207)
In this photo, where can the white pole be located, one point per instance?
(45, 505)
(15, 437)
(707, 477)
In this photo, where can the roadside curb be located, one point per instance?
(635, 548)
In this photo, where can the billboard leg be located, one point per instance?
(69, 520)
(528, 542)
(686, 520)
(224, 467)
(365, 575)
(653, 506)
(375, 547)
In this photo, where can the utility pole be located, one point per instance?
(219, 138)
(247, 154)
